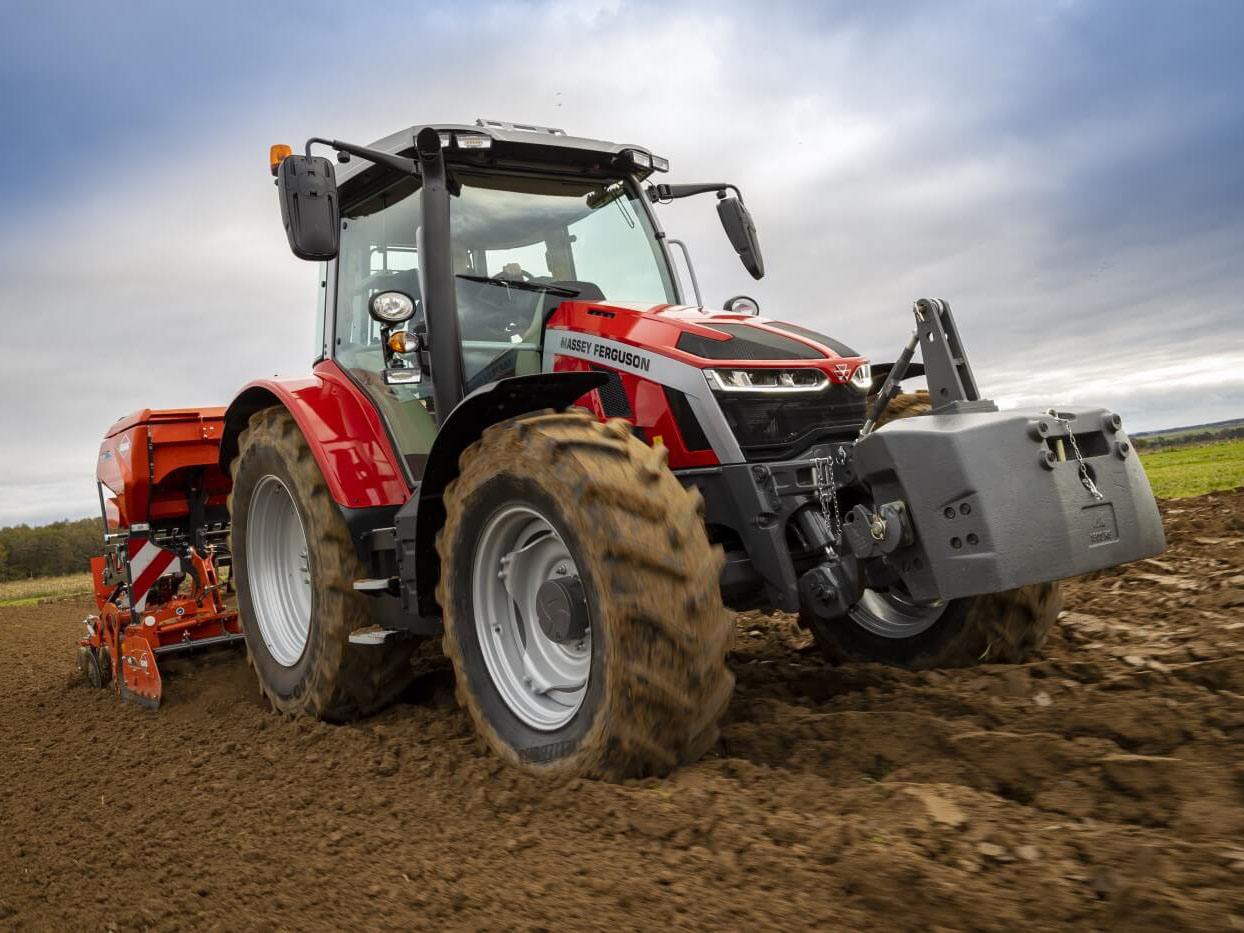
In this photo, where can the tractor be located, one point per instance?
(522, 434)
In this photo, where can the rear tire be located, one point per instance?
(304, 660)
(1008, 628)
(655, 681)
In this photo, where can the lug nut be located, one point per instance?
(876, 527)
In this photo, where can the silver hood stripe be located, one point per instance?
(684, 377)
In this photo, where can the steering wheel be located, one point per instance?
(523, 276)
(494, 313)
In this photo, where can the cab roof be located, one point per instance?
(512, 143)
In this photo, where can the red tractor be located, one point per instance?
(520, 435)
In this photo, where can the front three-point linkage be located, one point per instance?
(945, 365)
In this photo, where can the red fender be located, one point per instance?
(342, 428)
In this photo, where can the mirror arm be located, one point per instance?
(399, 163)
(660, 194)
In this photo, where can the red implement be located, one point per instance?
(156, 586)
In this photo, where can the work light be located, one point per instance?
(391, 307)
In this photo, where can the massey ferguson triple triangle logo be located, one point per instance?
(842, 370)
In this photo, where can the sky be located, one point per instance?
(1069, 175)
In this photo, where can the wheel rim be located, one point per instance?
(278, 571)
(541, 681)
(890, 616)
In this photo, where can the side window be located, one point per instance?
(378, 253)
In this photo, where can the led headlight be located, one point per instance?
(640, 159)
(862, 378)
(391, 307)
(787, 381)
(473, 141)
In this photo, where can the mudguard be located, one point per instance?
(342, 428)
(420, 518)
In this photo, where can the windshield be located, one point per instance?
(521, 246)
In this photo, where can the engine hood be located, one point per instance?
(708, 339)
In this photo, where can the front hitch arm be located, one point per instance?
(946, 366)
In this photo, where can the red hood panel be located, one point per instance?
(689, 335)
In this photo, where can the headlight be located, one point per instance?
(391, 307)
(766, 380)
(862, 378)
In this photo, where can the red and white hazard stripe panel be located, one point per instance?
(148, 563)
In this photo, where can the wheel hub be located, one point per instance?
(531, 617)
(889, 615)
(561, 609)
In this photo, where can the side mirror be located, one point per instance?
(308, 190)
(742, 304)
(742, 233)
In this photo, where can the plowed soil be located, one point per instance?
(1102, 786)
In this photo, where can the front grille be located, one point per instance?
(777, 427)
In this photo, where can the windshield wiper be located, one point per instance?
(521, 285)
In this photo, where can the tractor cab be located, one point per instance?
(520, 244)
(466, 252)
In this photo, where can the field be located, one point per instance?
(1192, 434)
(1179, 472)
(21, 592)
(1099, 787)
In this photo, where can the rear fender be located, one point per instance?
(422, 517)
(342, 428)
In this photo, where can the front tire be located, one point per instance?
(1008, 628)
(997, 628)
(635, 680)
(294, 568)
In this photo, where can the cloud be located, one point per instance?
(1067, 175)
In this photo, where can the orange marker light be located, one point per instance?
(401, 341)
(277, 155)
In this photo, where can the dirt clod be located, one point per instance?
(1083, 790)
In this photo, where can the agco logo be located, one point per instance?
(842, 370)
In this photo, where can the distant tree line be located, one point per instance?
(49, 550)
(1158, 441)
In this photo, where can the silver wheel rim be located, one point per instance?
(890, 616)
(541, 681)
(278, 572)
